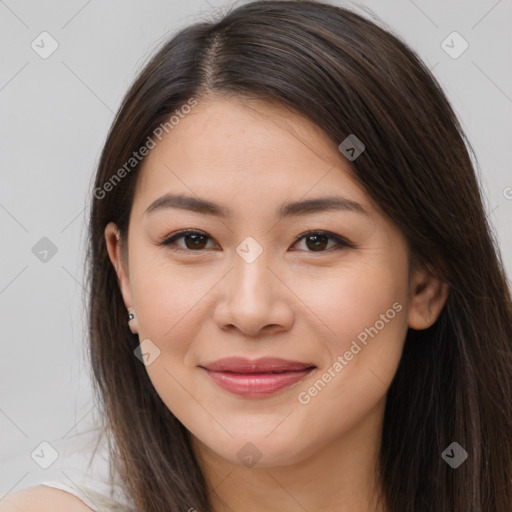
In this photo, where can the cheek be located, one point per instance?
(168, 298)
(365, 310)
(364, 307)
(348, 302)
(168, 305)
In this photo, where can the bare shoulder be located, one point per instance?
(42, 498)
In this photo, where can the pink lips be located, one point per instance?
(253, 378)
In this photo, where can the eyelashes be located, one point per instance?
(198, 237)
(171, 241)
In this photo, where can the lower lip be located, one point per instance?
(256, 384)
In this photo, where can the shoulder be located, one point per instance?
(42, 498)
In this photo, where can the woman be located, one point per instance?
(296, 302)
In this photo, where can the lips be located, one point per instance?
(253, 378)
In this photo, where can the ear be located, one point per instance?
(427, 297)
(114, 248)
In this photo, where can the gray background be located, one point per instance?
(55, 114)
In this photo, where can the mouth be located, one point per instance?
(256, 378)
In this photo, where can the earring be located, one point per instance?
(131, 316)
(428, 319)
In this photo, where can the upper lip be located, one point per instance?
(261, 365)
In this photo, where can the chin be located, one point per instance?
(262, 448)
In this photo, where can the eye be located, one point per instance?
(315, 240)
(194, 240)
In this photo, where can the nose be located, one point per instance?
(255, 300)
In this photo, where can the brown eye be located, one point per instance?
(317, 241)
(193, 240)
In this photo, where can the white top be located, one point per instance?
(97, 501)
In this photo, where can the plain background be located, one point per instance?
(55, 115)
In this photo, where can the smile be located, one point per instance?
(259, 378)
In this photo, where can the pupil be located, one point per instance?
(316, 238)
(195, 238)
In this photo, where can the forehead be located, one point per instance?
(245, 152)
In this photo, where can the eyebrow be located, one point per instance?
(290, 208)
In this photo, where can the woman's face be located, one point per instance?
(254, 284)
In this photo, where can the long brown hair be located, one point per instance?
(349, 75)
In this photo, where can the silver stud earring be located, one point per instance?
(131, 316)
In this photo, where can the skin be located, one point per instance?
(293, 302)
